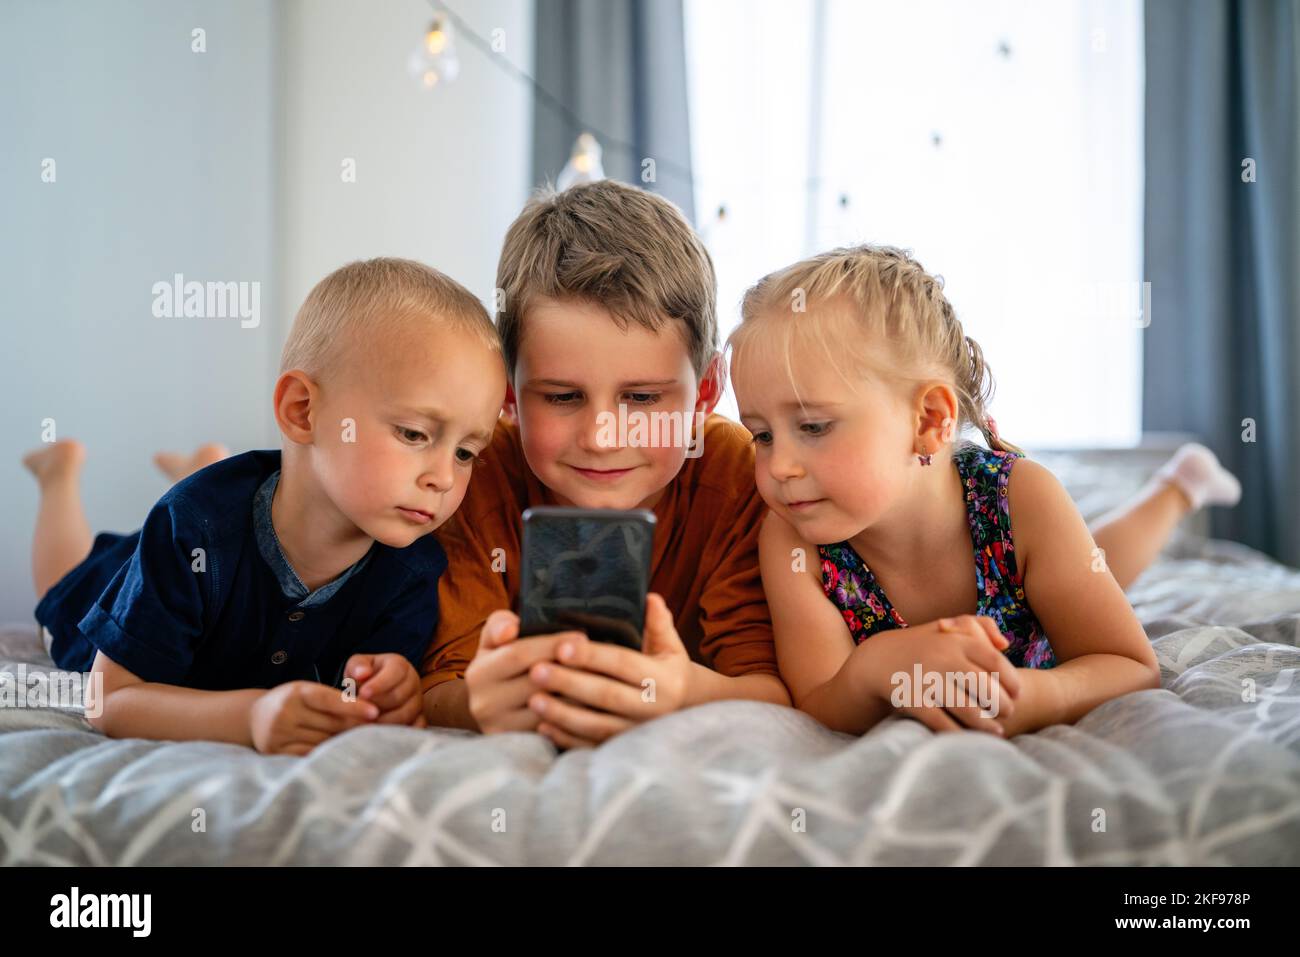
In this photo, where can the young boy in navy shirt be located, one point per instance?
(261, 583)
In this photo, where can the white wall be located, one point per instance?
(440, 173)
(163, 165)
(223, 166)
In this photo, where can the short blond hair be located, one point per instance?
(890, 301)
(373, 300)
(619, 247)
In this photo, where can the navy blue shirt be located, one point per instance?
(203, 597)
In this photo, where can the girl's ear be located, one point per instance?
(937, 411)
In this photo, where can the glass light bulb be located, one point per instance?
(584, 164)
(435, 61)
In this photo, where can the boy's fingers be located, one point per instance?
(517, 658)
(405, 689)
(592, 690)
(501, 627)
(331, 701)
(521, 719)
(328, 723)
(394, 699)
(626, 665)
(360, 667)
(660, 634)
(303, 733)
(563, 739)
(503, 706)
(577, 720)
(512, 694)
(403, 713)
(389, 676)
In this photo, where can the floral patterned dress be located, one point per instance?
(849, 584)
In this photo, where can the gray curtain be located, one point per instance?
(1223, 254)
(619, 66)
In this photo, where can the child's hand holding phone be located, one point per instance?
(497, 679)
(598, 654)
(594, 690)
(576, 691)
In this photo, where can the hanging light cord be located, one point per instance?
(553, 102)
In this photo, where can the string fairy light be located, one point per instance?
(436, 62)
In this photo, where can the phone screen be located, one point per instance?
(586, 569)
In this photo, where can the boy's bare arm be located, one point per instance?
(446, 705)
(708, 685)
(132, 708)
(172, 713)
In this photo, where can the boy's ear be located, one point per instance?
(295, 400)
(936, 414)
(712, 385)
(510, 408)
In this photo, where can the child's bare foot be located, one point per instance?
(1197, 473)
(56, 462)
(178, 465)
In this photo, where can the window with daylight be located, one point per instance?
(1000, 142)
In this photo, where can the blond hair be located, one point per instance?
(616, 246)
(369, 302)
(891, 300)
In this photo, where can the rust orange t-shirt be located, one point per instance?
(704, 561)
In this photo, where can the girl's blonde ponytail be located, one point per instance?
(978, 393)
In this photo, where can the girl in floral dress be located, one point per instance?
(858, 383)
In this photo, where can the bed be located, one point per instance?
(1204, 771)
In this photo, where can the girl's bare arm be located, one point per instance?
(1100, 647)
(814, 649)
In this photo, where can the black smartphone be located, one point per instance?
(586, 570)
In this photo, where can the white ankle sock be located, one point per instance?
(1197, 471)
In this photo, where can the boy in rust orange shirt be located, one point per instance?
(608, 312)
